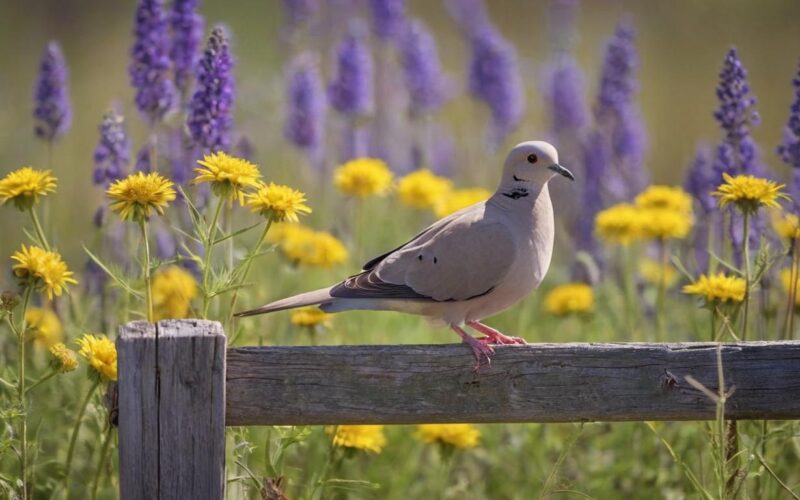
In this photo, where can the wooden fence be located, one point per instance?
(179, 387)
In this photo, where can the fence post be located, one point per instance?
(172, 410)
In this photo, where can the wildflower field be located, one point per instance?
(184, 159)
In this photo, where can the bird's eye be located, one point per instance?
(532, 158)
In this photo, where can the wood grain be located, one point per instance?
(172, 405)
(531, 383)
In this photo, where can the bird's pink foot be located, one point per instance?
(494, 336)
(482, 351)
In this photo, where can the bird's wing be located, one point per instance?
(465, 258)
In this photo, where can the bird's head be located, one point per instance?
(533, 162)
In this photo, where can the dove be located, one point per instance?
(465, 267)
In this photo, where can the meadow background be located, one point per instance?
(681, 48)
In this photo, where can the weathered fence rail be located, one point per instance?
(177, 394)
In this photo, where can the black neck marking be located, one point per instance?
(517, 193)
(517, 178)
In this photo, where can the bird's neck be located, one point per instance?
(520, 197)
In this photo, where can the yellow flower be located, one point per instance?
(422, 189)
(228, 175)
(786, 280)
(665, 197)
(360, 437)
(311, 317)
(135, 196)
(307, 247)
(64, 359)
(458, 435)
(279, 203)
(48, 271)
(363, 177)
(621, 223)
(787, 226)
(24, 186)
(569, 298)
(45, 325)
(749, 192)
(718, 288)
(173, 291)
(653, 272)
(458, 199)
(101, 354)
(661, 223)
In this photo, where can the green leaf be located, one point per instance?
(237, 233)
(119, 280)
(725, 263)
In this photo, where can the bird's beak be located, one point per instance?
(555, 167)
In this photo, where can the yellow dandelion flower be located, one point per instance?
(45, 325)
(360, 437)
(24, 186)
(276, 202)
(661, 223)
(665, 197)
(422, 189)
(310, 317)
(621, 223)
(653, 272)
(101, 353)
(786, 281)
(64, 359)
(460, 198)
(135, 196)
(569, 298)
(48, 272)
(749, 193)
(718, 288)
(458, 435)
(173, 290)
(313, 248)
(787, 226)
(229, 176)
(363, 177)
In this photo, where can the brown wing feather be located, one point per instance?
(367, 285)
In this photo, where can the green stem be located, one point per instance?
(102, 462)
(245, 271)
(47, 377)
(39, 231)
(212, 232)
(74, 437)
(746, 273)
(628, 287)
(146, 271)
(23, 456)
(662, 287)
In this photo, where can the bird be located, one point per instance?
(465, 267)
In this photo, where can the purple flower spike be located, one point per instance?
(352, 92)
(618, 78)
(52, 111)
(150, 64)
(187, 33)
(113, 152)
(470, 15)
(736, 115)
(494, 78)
(388, 17)
(305, 119)
(789, 150)
(596, 161)
(422, 70)
(701, 180)
(209, 119)
(565, 90)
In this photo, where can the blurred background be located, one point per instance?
(681, 44)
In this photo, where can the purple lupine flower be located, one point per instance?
(113, 151)
(565, 90)
(700, 180)
(737, 154)
(165, 244)
(352, 91)
(305, 118)
(52, 110)
(388, 17)
(422, 70)
(181, 156)
(150, 63)
(470, 15)
(494, 78)
(209, 119)
(187, 34)
(618, 75)
(789, 149)
(143, 163)
(596, 163)
(300, 11)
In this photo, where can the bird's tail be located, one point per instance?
(316, 297)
